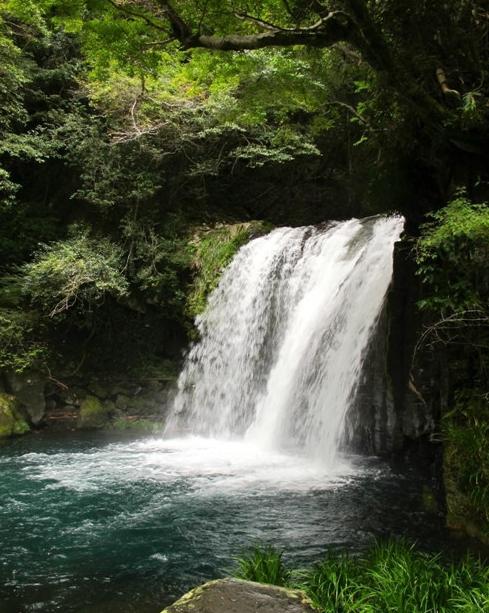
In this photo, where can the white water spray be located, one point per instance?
(284, 336)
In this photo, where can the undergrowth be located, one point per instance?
(391, 577)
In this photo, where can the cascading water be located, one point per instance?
(284, 335)
(142, 520)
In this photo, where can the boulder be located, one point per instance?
(12, 423)
(122, 402)
(236, 596)
(97, 389)
(93, 413)
(28, 388)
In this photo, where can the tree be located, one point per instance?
(431, 54)
(424, 63)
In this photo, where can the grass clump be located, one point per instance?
(263, 565)
(392, 577)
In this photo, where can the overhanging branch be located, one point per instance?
(137, 15)
(280, 38)
(334, 27)
(265, 25)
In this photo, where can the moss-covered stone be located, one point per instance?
(93, 413)
(214, 250)
(236, 596)
(12, 423)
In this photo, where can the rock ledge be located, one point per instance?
(235, 596)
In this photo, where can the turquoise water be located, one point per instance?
(91, 523)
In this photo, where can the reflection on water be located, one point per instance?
(127, 525)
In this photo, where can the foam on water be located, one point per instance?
(206, 465)
(90, 522)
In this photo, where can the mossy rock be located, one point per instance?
(213, 251)
(12, 423)
(236, 596)
(93, 414)
(143, 426)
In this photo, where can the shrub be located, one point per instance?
(20, 343)
(453, 255)
(75, 275)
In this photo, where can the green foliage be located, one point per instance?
(453, 260)
(76, 274)
(453, 257)
(391, 577)
(263, 565)
(159, 260)
(22, 337)
(143, 133)
(394, 577)
(20, 346)
(214, 250)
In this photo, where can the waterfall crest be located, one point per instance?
(284, 335)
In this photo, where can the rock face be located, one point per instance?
(28, 388)
(391, 413)
(12, 422)
(235, 596)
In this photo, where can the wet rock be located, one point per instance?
(93, 413)
(390, 413)
(145, 404)
(97, 389)
(235, 596)
(12, 423)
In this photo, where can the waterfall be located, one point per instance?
(283, 337)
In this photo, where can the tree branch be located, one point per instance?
(266, 25)
(181, 29)
(137, 15)
(441, 77)
(336, 26)
(270, 39)
(160, 43)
